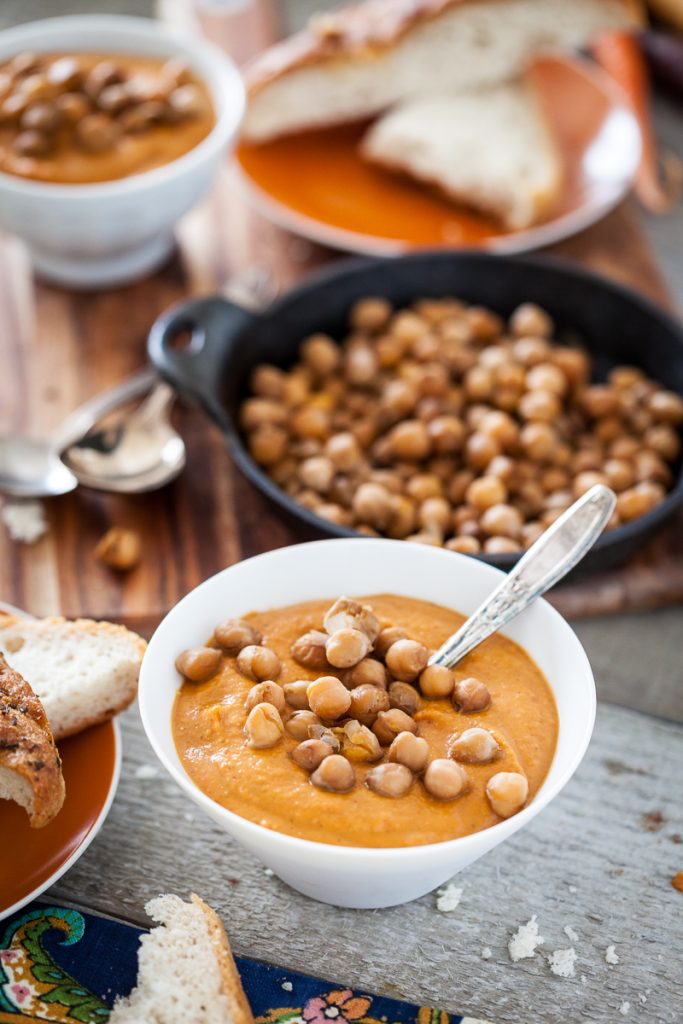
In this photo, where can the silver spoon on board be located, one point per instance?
(557, 550)
(32, 467)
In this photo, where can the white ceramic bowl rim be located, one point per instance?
(394, 854)
(228, 105)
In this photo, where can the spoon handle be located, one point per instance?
(550, 558)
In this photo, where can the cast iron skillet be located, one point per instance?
(224, 342)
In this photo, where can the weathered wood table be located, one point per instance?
(600, 860)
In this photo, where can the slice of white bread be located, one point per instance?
(30, 767)
(362, 59)
(490, 150)
(186, 972)
(83, 671)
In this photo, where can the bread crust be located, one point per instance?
(240, 1011)
(364, 29)
(27, 746)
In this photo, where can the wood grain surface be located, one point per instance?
(59, 347)
(600, 859)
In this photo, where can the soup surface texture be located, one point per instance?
(266, 787)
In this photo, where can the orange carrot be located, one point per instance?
(658, 183)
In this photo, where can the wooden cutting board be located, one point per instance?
(59, 347)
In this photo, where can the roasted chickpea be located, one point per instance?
(502, 467)
(434, 515)
(198, 663)
(389, 724)
(373, 505)
(484, 323)
(343, 451)
(328, 698)
(389, 779)
(531, 531)
(321, 354)
(370, 315)
(367, 701)
(547, 377)
(388, 636)
(310, 422)
(403, 519)
(573, 362)
(475, 746)
(444, 779)
(408, 327)
(446, 434)
(368, 672)
(600, 400)
(502, 520)
(266, 692)
(335, 774)
(346, 647)
(530, 319)
(471, 695)
(485, 492)
(235, 634)
(501, 546)
(464, 545)
(263, 727)
(258, 663)
(268, 444)
(360, 365)
(404, 697)
(346, 613)
(539, 407)
(309, 650)
(405, 659)
(584, 481)
(666, 407)
(507, 793)
(423, 486)
(530, 351)
(436, 682)
(636, 501)
(410, 750)
(410, 440)
(317, 473)
(299, 723)
(664, 441)
(296, 693)
(310, 754)
(359, 744)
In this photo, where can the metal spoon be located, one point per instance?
(142, 453)
(557, 550)
(32, 467)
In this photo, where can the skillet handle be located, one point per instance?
(194, 368)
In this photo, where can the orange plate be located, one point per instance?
(32, 859)
(316, 184)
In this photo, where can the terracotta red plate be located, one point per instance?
(316, 184)
(33, 859)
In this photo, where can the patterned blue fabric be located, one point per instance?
(62, 965)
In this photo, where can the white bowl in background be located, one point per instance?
(105, 233)
(352, 876)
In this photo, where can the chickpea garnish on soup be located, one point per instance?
(323, 720)
(443, 424)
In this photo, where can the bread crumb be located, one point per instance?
(188, 817)
(642, 997)
(570, 933)
(147, 771)
(525, 941)
(625, 1007)
(25, 520)
(562, 962)
(287, 986)
(611, 955)
(447, 899)
(486, 953)
(573, 889)
(269, 872)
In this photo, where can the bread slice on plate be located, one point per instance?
(490, 150)
(186, 972)
(355, 63)
(30, 767)
(83, 671)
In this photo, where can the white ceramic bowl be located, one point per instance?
(107, 233)
(351, 876)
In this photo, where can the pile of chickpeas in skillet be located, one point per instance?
(363, 715)
(445, 425)
(62, 102)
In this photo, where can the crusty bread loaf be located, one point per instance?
(30, 767)
(186, 972)
(490, 150)
(359, 61)
(83, 671)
